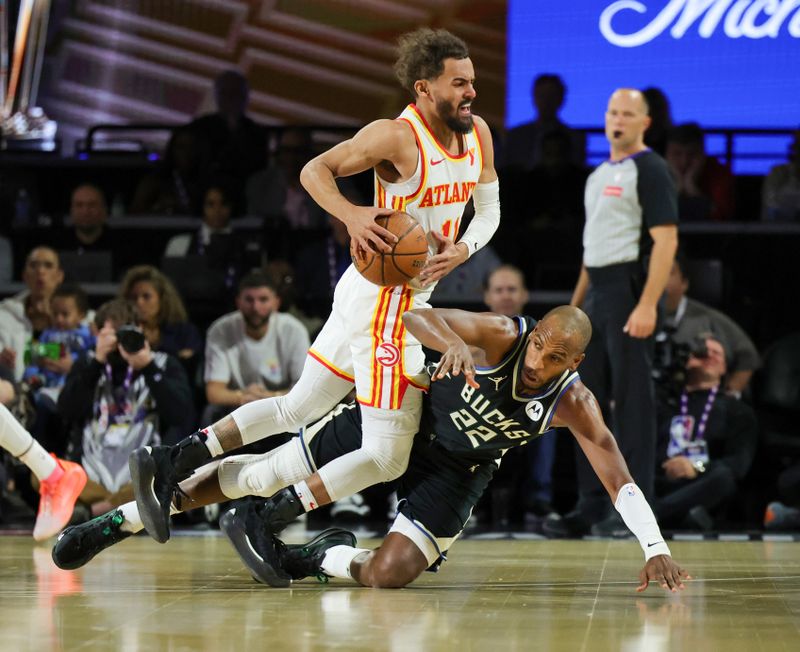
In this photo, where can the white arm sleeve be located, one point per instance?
(635, 511)
(487, 216)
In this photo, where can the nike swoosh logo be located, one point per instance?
(650, 545)
(441, 160)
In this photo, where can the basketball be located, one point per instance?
(406, 259)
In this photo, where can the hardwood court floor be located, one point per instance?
(192, 594)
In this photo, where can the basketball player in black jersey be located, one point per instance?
(500, 382)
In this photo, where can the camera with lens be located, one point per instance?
(130, 338)
(669, 364)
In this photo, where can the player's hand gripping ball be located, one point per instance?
(406, 259)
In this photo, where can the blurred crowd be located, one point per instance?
(205, 320)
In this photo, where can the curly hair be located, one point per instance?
(421, 55)
(171, 309)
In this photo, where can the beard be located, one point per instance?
(451, 119)
(254, 321)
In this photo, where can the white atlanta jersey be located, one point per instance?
(364, 339)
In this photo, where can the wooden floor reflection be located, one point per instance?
(192, 594)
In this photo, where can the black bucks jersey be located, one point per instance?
(483, 423)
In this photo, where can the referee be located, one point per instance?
(629, 244)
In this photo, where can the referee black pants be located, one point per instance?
(618, 370)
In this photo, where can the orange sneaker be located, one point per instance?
(57, 498)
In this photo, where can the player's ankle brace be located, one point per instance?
(635, 511)
(190, 453)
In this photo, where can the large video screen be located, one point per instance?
(722, 63)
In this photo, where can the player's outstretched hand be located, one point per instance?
(664, 570)
(457, 360)
(367, 235)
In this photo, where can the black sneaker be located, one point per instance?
(155, 482)
(78, 544)
(305, 559)
(255, 544)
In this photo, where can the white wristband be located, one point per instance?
(635, 511)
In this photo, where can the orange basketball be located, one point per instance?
(406, 259)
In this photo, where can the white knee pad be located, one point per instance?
(263, 475)
(388, 434)
(316, 392)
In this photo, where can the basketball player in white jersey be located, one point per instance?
(429, 162)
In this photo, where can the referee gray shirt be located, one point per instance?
(624, 200)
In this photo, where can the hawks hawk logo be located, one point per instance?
(387, 354)
(534, 410)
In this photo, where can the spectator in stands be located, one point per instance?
(780, 195)
(121, 398)
(236, 146)
(523, 146)
(88, 215)
(215, 239)
(685, 319)
(49, 362)
(255, 352)
(705, 186)
(706, 445)
(162, 315)
(275, 192)
(24, 316)
(660, 119)
(174, 189)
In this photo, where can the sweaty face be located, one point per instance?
(66, 315)
(453, 92)
(256, 305)
(548, 354)
(144, 297)
(506, 293)
(626, 119)
(42, 272)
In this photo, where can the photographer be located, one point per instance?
(706, 443)
(686, 318)
(121, 397)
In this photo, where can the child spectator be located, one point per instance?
(49, 360)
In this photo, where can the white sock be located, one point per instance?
(263, 475)
(133, 522)
(306, 497)
(212, 443)
(337, 560)
(19, 442)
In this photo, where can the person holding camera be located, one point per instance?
(685, 318)
(706, 443)
(119, 398)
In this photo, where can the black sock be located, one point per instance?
(190, 453)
